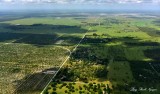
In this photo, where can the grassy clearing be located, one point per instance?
(45, 20)
(119, 73)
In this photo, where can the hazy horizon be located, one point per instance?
(83, 5)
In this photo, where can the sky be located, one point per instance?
(81, 4)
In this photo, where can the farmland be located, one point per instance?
(32, 46)
(121, 52)
(115, 53)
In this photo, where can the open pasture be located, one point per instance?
(123, 50)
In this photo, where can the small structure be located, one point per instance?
(18, 24)
(49, 72)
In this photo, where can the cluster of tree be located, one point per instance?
(157, 22)
(81, 53)
(37, 39)
(71, 40)
(82, 74)
(93, 24)
(86, 88)
(153, 53)
(4, 36)
(100, 54)
(88, 54)
(95, 40)
(70, 87)
(34, 26)
(101, 72)
(66, 74)
(112, 21)
(117, 53)
(144, 73)
(150, 31)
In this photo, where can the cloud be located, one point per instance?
(156, 1)
(7, 1)
(81, 1)
(130, 1)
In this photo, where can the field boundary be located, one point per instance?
(68, 57)
(14, 91)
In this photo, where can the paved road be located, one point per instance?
(68, 57)
(40, 81)
(36, 81)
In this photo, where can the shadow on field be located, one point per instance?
(35, 82)
(142, 43)
(98, 51)
(144, 73)
(150, 31)
(132, 42)
(35, 39)
(111, 21)
(42, 28)
(157, 22)
(38, 34)
(153, 54)
(68, 40)
(39, 40)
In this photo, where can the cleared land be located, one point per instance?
(30, 50)
(122, 50)
(118, 53)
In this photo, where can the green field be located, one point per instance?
(118, 53)
(46, 20)
(79, 87)
(122, 50)
(30, 46)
